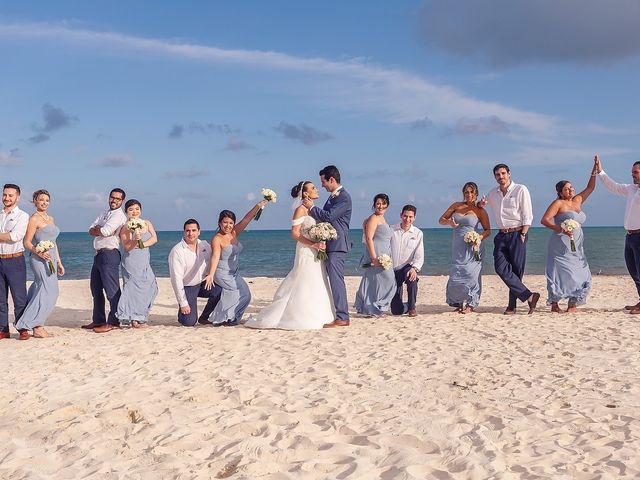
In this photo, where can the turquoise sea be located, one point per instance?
(269, 253)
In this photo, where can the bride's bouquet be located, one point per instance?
(473, 238)
(134, 225)
(44, 246)
(385, 262)
(322, 232)
(569, 225)
(268, 195)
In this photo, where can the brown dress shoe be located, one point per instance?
(91, 326)
(533, 302)
(412, 312)
(508, 311)
(107, 327)
(632, 307)
(4, 335)
(635, 311)
(336, 323)
(24, 335)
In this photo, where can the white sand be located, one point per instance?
(439, 396)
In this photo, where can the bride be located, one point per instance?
(303, 300)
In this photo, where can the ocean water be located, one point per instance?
(269, 253)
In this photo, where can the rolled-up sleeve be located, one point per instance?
(113, 224)
(20, 229)
(526, 209)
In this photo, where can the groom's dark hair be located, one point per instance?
(331, 171)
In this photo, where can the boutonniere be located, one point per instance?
(335, 194)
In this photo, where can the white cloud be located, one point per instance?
(114, 161)
(10, 159)
(251, 197)
(392, 94)
(89, 200)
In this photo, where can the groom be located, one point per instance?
(337, 211)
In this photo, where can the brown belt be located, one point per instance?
(633, 232)
(510, 229)
(11, 255)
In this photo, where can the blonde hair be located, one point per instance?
(37, 193)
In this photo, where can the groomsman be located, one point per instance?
(631, 221)
(105, 273)
(13, 270)
(407, 253)
(511, 206)
(188, 265)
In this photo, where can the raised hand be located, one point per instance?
(597, 164)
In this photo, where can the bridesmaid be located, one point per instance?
(377, 286)
(225, 252)
(568, 274)
(464, 286)
(140, 287)
(43, 292)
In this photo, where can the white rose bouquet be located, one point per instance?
(268, 195)
(134, 225)
(568, 226)
(322, 232)
(385, 262)
(44, 246)
(473, 238)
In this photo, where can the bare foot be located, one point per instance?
(555, 308)
(137, 324)
(572, 309)
(40, 332)
(468, 309)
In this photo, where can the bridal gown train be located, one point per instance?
(303, 301)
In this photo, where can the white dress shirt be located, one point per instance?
(15, 224)
(512, 209)
(110, 222)
(407, 247)
(632, 192)
(187, 267)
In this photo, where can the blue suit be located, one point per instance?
(337, 211)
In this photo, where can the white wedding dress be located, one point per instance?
(303, 300)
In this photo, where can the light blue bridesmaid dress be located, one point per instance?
(377, 286)
(236, 295)
(465, 281)
(140, 287)
(568, 274)
(43, 292)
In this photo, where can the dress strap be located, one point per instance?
(297, 221)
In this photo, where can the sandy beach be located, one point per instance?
(441, 395)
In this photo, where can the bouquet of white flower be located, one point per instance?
(322, 232)
(268, 195)
(134, 225)
(44, 246)
(385, 262)
(473, 238)
(569, 225)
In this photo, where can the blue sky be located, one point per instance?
(193, 107)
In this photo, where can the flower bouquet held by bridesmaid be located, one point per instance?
(464, 286)
(567, 271)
